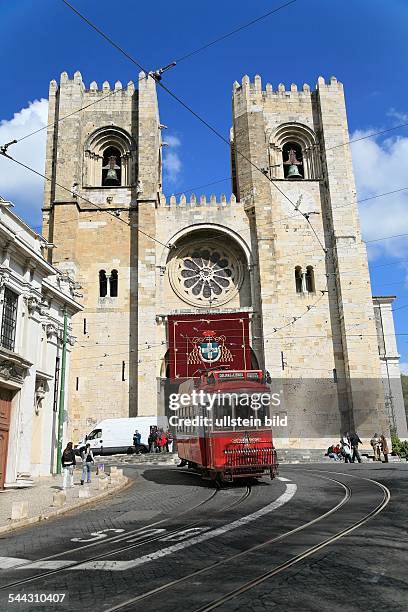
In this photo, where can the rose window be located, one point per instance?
(206, 275)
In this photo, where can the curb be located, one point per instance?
(127, 482)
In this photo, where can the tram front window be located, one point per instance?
(239, 407)
(249, 406)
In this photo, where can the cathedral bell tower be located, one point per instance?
(104, 163)
(293, 171)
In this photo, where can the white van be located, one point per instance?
(116, 435)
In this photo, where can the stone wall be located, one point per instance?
(325, 337)
(87, 240)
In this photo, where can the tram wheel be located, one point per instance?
(219, 480)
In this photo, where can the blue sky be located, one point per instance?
(363, 43)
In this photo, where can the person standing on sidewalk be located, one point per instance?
(137, 437)
(375, 443)
(87, 461)
(355, 441)
(68, 463)
(169, 445)
(346, 448)
(384, 447)
(152, 439)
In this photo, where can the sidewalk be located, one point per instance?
(40, 499)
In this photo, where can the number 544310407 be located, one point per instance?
(21, 598)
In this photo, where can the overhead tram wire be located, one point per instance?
(221, 137)
(235, 31)
(228, 178)
(399, 308)
(280, 220)
(101, 33)
(378, 133)
(45, 127)
(387, 238)
(4, 148)
(276, 330)
(381, 195)
(78, 110)
(223, 180)
(157, 79)
(16, 161)
(156, 76)
(180, 59)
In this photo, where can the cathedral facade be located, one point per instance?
(273, 277)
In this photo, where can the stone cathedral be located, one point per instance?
(273, 277)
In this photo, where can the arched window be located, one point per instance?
(309, 279)
(110, 158)
(304, 281)
(103, 284)
(303, 162)
(299, 279)
(113, 283)
(111, 167)
(292, 161)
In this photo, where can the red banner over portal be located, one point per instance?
(199, 342)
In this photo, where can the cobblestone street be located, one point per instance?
(203, 306)
(316, 528)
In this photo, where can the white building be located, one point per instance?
(33, 299)
(390, 364)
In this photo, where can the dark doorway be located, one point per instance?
(5, 412)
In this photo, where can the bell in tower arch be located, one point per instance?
(293, 164)
(112, 174)
(111, 170)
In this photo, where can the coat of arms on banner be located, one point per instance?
(209, 349)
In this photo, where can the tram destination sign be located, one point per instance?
(237, 375)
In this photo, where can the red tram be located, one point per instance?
(221, 435)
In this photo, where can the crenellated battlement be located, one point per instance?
(193, 201)
(93, 88)
(253, 89)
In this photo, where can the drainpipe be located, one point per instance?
(62, 394)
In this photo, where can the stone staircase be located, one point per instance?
(285, 456)
(291, 455)
(318, 456)
(147, 458)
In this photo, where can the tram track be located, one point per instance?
(283, 566)
(296, 559)
(170, 587)
(123, 537)
(201, 571)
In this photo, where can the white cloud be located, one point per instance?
(24, 188)
(17, 184)
(173, 141)
(400, 117)
(381, 167)
(172, 164)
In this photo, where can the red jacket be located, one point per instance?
(161, 440)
